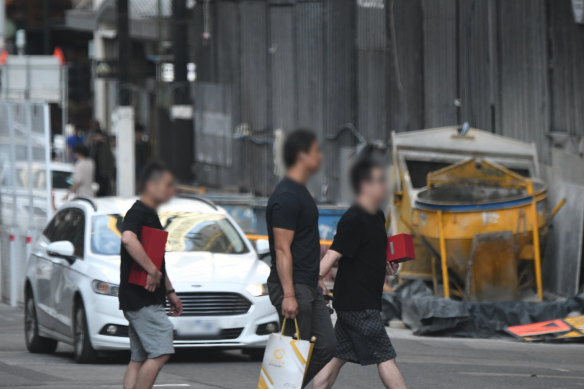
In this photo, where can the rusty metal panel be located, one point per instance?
(254, 91)
(405, 66)
(340, 88)
(440, 66)
(524, 72)
(562, 264)
(567, 77)
(282, 56)
(309, 38)
(477, 39)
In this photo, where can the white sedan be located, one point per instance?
(73, 275)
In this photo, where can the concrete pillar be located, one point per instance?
(125, 160)
(99, 87)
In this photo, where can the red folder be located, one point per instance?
(400, 248)
(154, 241)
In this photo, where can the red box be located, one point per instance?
(154, 242)
(400, 248)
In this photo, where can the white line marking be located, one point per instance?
(526, 375)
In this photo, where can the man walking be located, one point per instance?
(360, 244)
(150, 331)
(292, 221)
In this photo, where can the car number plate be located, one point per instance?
(196, 327)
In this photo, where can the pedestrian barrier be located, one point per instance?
(25, 189)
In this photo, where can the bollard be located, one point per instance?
(13, 272)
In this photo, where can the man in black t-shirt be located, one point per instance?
(360, 247)
(150, 331)
(292, 221)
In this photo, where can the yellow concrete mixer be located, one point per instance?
(477, 210)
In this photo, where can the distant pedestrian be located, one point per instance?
(292, 220)
(150, 330)
(83, 173)
(103, 157)
(76, 138)
(360, 244)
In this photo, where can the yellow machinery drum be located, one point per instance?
(477, 225)
(481, 223)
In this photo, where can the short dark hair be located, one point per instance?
(81, 150)
(151, 172)
(298, 141)
(361, 172)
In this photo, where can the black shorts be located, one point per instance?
(362, 338)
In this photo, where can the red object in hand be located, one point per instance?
(400, 248)
(154, 242)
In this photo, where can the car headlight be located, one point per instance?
(102, 287)
(257, 290)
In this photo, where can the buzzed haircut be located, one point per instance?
(298, 141)
(81, 150)
(151, 172)
(361, 172)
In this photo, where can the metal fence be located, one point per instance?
(25, 189)
(509, 67)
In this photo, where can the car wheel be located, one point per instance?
(34, 342)
(82, 349)
(255, 354)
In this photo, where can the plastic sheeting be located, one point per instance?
(415, 304)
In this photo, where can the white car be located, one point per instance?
(73, 275)
(34, 207)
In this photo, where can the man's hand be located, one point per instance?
(323, 287)
(153, 280)
(176, 307)
(392, 268)
(289, 307)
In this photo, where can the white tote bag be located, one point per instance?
(285, 361)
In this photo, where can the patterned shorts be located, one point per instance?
(361, 338)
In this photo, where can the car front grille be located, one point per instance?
(213, 304)
(224, 334)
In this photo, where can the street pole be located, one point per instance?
(2, 23)
(181, 113)
(124, 114)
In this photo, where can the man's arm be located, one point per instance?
(282, 241)
(328, 261)
(135, 249)
(176, 307)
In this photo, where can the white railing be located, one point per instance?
(25, 189)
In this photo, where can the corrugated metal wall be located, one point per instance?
(510, 67)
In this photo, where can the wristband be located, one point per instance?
(169, 292)
(286, 297)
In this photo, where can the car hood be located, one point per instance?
(203, 267)
(199, 267)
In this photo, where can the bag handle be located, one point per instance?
(295, 323)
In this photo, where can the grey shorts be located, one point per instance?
(150, 333)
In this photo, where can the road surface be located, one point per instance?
(425, 363)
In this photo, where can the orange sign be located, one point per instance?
(542, 328)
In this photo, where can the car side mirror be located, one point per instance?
(262, 248)
(62, 249)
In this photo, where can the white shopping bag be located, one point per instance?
(285, 361)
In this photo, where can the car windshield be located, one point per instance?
(187, 232)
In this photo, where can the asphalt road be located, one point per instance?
(425, 363)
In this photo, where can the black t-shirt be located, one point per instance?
(362, 240)
(291, 207)
(133, 297)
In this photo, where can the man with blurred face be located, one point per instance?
(360, 247)
(292, 221)
(150, 330)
